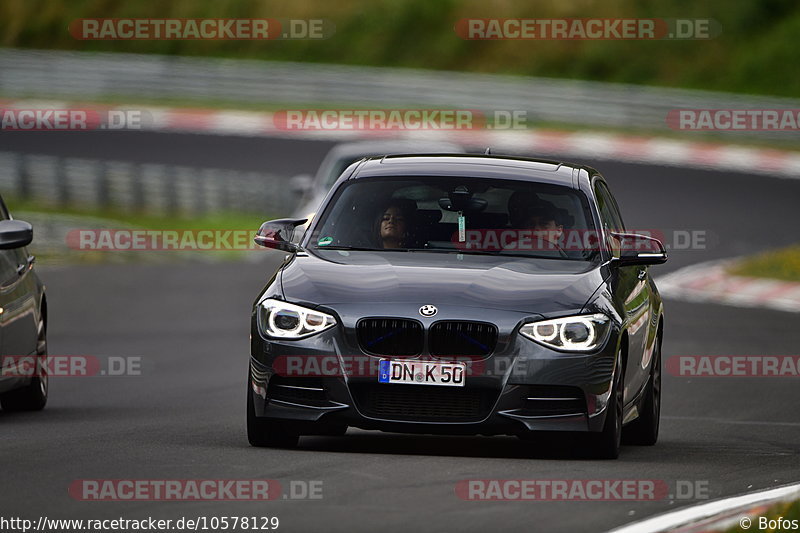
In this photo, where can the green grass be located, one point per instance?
(788, 511)
(783, 264)
(117, 219)
(218, 220)
(755, 53)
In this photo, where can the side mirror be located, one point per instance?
(278, 234)
(15, 234)
(301, 184)
(635, 249)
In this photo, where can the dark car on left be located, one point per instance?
(23, 320)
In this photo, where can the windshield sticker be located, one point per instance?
(324, 241)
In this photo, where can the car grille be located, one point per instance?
(424, 403)
(462, 338)
(390, 336)
(303, 391)
(552, 400)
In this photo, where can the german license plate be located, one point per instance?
(422, 373)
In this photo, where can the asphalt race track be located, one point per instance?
(184, 417)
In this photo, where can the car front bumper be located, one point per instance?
(326, 381)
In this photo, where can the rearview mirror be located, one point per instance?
(636, 249)
(15, 234)
(461, 199)
(278, 234)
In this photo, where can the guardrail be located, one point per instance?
(72, 182)
(85, 76)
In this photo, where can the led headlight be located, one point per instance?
(281, 319)
(581, 333)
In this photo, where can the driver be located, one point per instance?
(519, 204)
(545, 221)
(393, 228)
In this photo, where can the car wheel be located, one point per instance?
(32, 397)
(264, 432)
(644, 430)
(605, 445)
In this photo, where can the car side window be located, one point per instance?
(609, 213)
(615, 209)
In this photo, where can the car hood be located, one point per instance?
(542, 286)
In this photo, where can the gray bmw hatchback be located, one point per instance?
(459, 294)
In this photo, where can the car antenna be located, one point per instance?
(488, 150)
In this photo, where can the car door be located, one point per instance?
(18, 292)
(631, 291)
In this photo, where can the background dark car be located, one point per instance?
(312, 189)
(23, 313)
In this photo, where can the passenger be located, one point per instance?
(395, 224)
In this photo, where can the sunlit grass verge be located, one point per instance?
(782, 264)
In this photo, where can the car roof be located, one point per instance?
(482, 166)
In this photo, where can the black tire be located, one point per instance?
(264, 432)
(33, 396)
(644, 430)
(606, 444)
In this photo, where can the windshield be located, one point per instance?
(458, 215)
